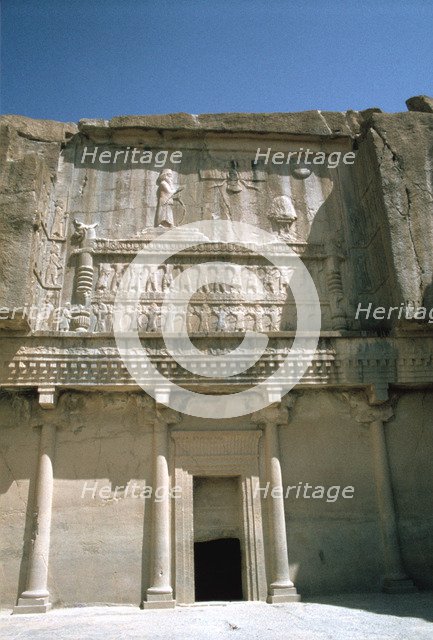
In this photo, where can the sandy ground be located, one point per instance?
(350, 617)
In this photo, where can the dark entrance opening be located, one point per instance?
(217, 570)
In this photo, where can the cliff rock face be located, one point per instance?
(400, 146)
(377, 208)
(29, 157)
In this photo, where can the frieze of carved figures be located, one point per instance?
(58, 227)
(54, 268)
(202, 318)
(45, 317)
(117, 273)
(140, 278)
(100, 317)
(222, 318)
(104, 278)
(52, 316)
(65, 317)
(48, 259)
(37, 250)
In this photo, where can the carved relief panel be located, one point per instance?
(89, 238)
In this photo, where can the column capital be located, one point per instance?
(276, 413)
(164, 416)
(363, 412)
(272, 415)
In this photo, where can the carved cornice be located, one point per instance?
(128, 246)
(344, 362)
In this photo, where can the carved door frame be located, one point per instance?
(218, 453)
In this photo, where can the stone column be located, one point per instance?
(281, 587)
(36, 597)
(395, 579)
(160, 593)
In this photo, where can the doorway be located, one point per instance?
(217, 570)
(219, 476)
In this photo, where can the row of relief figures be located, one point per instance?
(100, 317)
(141, 279)
(49, 270)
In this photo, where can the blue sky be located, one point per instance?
(72, 59)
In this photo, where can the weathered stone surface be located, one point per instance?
(29, 153)
(420, 103)
(40, 130)
(401, 147)
(79, 437)
(306, 123)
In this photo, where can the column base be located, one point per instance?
(156, 599)
(158, 604)
(399, 585)
(283, 594)
(32, 605)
